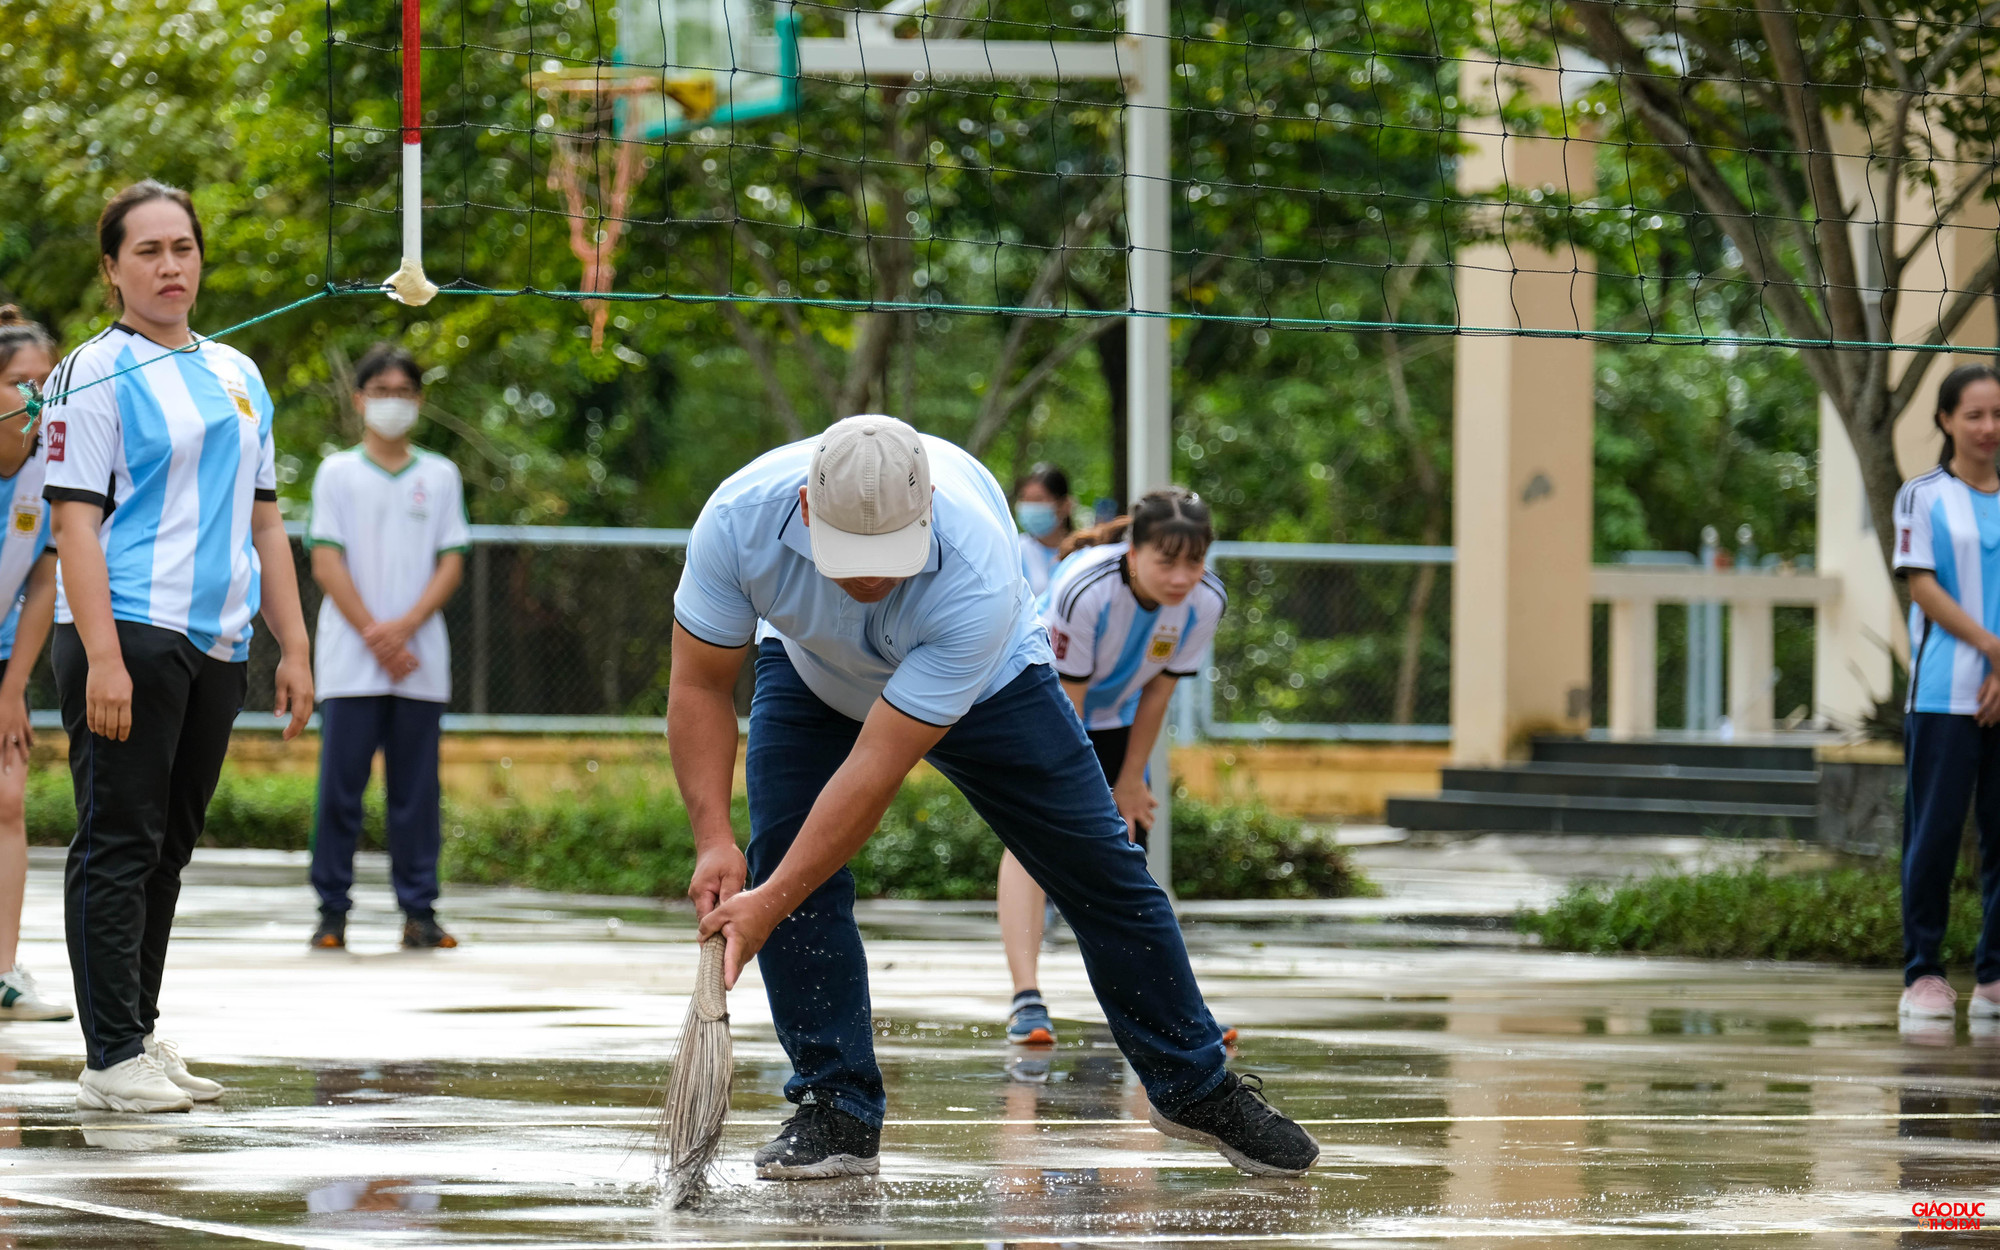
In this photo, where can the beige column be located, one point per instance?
(1521, 488)
(1635, 676)
(1752, 664)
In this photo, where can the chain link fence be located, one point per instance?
(1328, 641)
(569, 629)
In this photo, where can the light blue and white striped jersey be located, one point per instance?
(1949, 529)
(26, 538)
(175, 452)
(1103, 637)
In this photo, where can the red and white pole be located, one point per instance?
(408, 283)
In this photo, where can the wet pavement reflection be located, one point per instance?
(503, 1094)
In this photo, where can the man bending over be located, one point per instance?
(876, 571)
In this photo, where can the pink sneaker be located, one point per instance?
(1985, 1003)
(1931, 998)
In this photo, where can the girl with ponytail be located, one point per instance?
(1130, 612)
(1948, 547)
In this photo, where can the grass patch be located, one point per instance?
(931, 845)
(621, 840)
(1840, 915)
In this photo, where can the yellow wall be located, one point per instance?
(1324, 781)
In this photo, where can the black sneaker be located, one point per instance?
(819, 1142)
(332, 932)
(426, 933)
(1250, 1132)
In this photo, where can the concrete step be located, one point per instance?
(1643, 753)
(1477, 811)
(1633, 781)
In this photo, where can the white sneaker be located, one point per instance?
(199, 1088)
(138, 1084)
(1929, 998)
(1984, 1007)
(21, 998)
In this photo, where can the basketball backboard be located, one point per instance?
(720, 61)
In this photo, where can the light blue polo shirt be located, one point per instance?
(943, 640)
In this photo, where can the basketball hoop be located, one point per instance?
(594, 237)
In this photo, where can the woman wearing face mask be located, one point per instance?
(28, 584)
(388, 538)
(1948, 547)
(1043, 507)
(163, 488)
(1129, 614)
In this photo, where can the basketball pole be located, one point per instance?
(408, 284)
(1149, 378)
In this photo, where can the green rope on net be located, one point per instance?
(33, 401)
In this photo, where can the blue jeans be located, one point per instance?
(1023, 761)
(406, 732)
(1948, 759)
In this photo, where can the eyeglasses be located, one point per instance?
(374, 392)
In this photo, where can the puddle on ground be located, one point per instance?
(505, 1095)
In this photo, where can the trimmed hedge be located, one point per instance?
(1842, 915)
(266, 812)
(612, 840)
(931, 846)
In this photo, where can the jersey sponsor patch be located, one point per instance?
(420, 502)
(27, 517)
(58, 437)
(1906, 540)
(1060, 641)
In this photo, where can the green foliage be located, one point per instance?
(931, 845)
(606, 841)
(621, 841)
(270, 812)
(1249, 851)
(1840, 915)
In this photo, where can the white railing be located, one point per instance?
(1635, 593)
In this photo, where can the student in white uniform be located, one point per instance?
(388, 537)
(1044, 510)
(28, 583)
(1129, 613)
(1948, 548)
(163, 486)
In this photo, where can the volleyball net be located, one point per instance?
(1707, 174)
(1697, 174)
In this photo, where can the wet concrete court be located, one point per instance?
(1468, 1095)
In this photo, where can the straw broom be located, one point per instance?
(698, 1090)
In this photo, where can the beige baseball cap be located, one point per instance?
(868, 494)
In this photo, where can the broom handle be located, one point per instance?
(708, 993)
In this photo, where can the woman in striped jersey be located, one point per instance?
(164, 492)
(28, 588)
(1129, 613)
(1948, 548)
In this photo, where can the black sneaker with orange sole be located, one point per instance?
(332, 932)
(425, 933)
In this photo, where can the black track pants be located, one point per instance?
(140, 804)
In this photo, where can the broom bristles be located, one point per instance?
(697, 1100)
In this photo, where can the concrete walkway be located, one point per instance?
(502, 1094)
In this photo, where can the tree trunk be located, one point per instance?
(1404, 710)
(1111, 363)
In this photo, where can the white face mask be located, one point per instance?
(391, 418)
